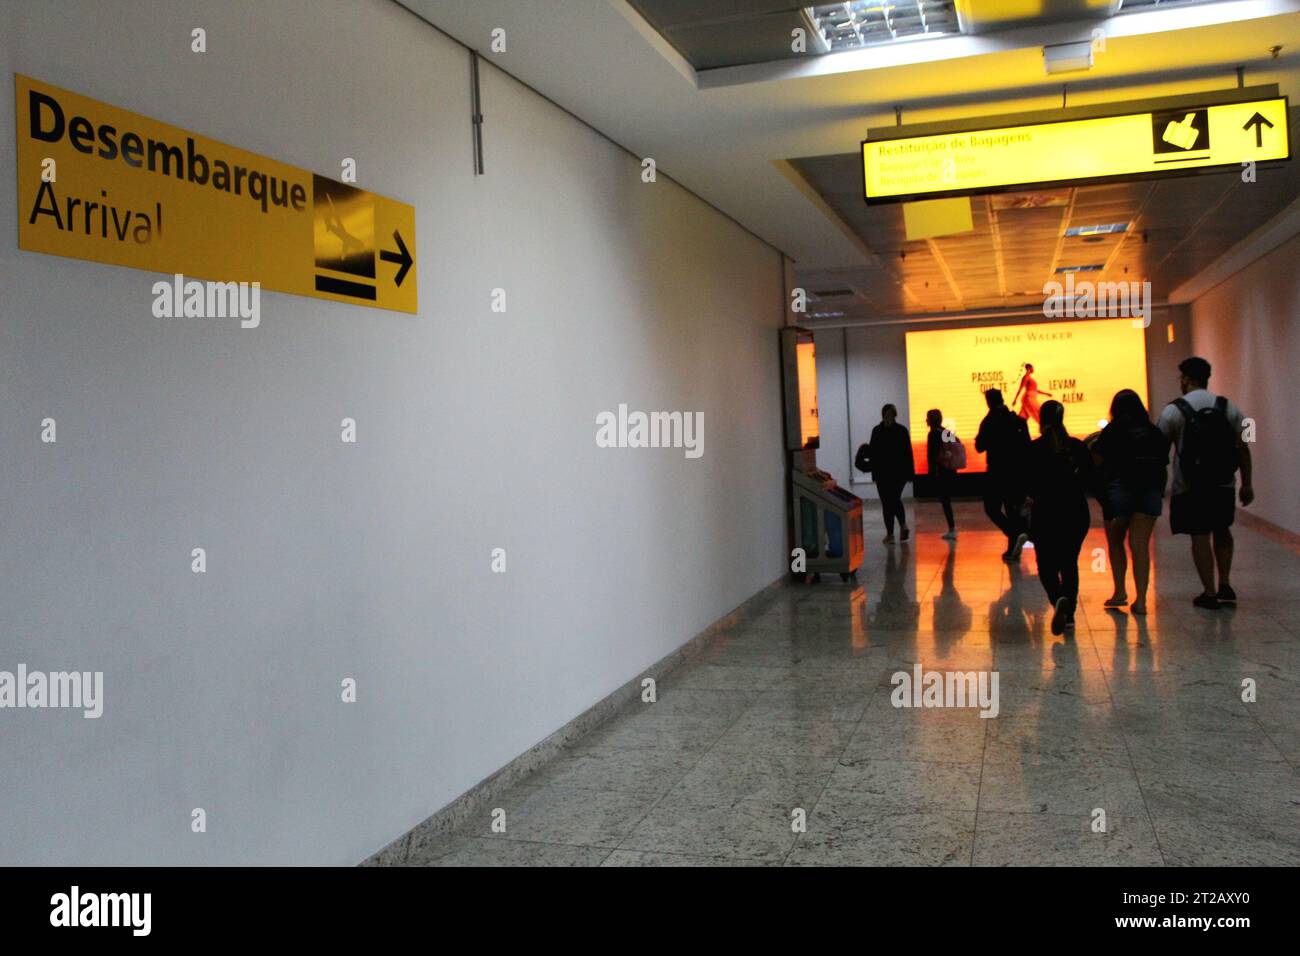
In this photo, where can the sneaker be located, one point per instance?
(950, 535)
(1059, 615)
(906, 533)
(888, 539)
(1207, 601)
(1019, 545)
(1227, 595)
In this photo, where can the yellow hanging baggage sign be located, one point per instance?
(100, 183)
(1135, 145)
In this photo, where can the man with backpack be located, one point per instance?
(1003, 437)
(1206, 432)
(945, 456)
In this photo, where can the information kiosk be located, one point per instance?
(827, 519)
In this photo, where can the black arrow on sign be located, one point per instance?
(404, 258)
(1259, 123)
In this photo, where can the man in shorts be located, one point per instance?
(1206, 511)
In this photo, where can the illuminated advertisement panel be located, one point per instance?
(1080, 364)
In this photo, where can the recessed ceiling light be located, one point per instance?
(1103, 230)
(1068, 57)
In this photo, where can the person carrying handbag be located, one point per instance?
(890, 455)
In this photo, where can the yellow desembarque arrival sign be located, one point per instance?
(131, 191)
(1132, 145)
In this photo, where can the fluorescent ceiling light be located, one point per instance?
(860, 23)
(1107, 229)
(1061, 270)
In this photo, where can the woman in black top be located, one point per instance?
(940, 468)
(1058, 471)
(891, 469)
(1133, 455)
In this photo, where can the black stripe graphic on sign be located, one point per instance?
(343, 287)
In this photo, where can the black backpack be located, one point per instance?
(862, 460)
(1150, 451)
(1208, 456)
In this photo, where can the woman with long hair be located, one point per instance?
(942, 466)
(1029, 406)
(1134, 456)
(1059, 469)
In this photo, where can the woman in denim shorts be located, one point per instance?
(1134, 458)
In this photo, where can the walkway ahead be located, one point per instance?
(1141, 719)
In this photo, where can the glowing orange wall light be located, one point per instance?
(806, 361)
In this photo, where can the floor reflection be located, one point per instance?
(1181, 728)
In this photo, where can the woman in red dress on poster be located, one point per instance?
(1030, 404)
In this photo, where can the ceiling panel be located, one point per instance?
(719, 33)
(987, 16)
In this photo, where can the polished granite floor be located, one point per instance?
(1140, 718)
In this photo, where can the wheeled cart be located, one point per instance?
(827, 524)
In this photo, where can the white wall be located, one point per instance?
(325, 561)
(1248, 329)
(877, 373)
(850, 395)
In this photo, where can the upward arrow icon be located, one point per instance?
(1259, 123)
